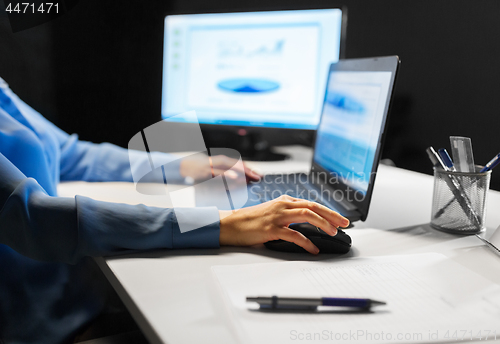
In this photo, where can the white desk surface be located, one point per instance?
(175, 299)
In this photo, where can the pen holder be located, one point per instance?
(459, 201)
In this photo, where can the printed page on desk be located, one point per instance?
(429, 298)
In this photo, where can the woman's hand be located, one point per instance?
(270, 220)
(199, 168)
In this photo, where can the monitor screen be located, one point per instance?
(264, 69)
(351, 125)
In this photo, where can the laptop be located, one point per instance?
(348, 140)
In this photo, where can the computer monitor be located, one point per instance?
(250, 70)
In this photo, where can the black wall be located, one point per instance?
(97, 70)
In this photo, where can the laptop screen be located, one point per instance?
(352, 124)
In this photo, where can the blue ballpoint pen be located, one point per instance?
(298, 303)
(445, 157)
(491, 164)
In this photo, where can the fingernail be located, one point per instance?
(334, 230)
(345, 223)
(316, 250)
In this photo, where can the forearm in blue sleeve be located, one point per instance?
(81, 160)
(139, 227)
(65, 229)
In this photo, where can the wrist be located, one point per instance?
(223, 225)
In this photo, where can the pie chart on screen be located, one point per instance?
(247, 85)
(345, 102)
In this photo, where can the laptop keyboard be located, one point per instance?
(273, 186)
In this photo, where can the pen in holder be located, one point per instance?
(459, 201)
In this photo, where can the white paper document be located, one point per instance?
(429, 298)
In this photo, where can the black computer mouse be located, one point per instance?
(340, 243)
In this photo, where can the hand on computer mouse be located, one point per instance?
(269, 221)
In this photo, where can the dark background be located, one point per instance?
(96, 70)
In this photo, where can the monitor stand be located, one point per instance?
(251, 145)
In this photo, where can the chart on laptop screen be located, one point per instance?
(351, 125)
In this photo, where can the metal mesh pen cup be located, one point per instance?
(459, 201)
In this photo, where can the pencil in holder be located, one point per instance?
(459, 201)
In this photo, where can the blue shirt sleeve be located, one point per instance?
(73, 159)
(66, 229)
(86, 161)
